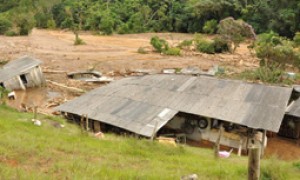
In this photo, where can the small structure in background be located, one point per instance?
(22, 73)
(89, 76)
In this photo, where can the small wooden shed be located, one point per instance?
(22, 73)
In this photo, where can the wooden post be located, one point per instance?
(97, 126)
(263, 142)
(87, 122)
(154, 131)
(254, 163)
(35, 108)
(82, 122)
(217, 144)
(240, 146)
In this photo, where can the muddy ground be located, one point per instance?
(115, 56)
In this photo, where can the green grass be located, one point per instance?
(47, 152)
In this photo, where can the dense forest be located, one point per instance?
(18, 17)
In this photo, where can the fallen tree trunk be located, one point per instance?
(74, 89)
(54, 72)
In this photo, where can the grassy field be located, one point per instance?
(50, 152)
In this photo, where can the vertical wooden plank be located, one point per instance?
(240, 146)
(87, 122)
(217, 144)
(254, 163)
(154, 130)
(263, 142)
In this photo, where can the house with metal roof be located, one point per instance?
(196, 105)
(22, 73)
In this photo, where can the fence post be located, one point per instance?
(35, 109)
(254, 163)
(217, 144)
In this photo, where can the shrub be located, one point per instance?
(220, 45)
(297, 39)
(11, 33)
(273, 49)
(5, 25)
(78, 40)
(265, 74)
(235, 31)
(173, 51)
(141, 50)
(210, 27)
(25, 24)
(205, 47)
(51, 24)
(185, 44)
(160, 45)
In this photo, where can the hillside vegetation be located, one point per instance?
(127, 16)
(52, 152)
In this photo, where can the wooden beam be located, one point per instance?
(254, 163)
(154, 131)
(74, 89)
(217, 144)
(263, 142)
(87, 122)
(240, 146)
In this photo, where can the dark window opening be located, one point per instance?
(24, 79)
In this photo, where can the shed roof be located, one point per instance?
(17, 67)
(294, 108)
(137, 103)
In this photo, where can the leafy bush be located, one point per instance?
(265, 74)
(297, 39)
(3, 95)
(210, 27)
(205, 47)
(173, 51)
(235, 31)
(141, 50)
(273, 49)
(11, 33)
(220, 45)
(25, 24)
(5, 25)
(51, 24)
(160, 45)
(78, 40)
(185, 44)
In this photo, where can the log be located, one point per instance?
(254, 163)
(74, 89)
(54, 72)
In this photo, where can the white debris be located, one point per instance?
(12, 95)
(37, 122)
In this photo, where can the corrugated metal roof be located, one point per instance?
(17, 67)
(137, 103)
(294, 108)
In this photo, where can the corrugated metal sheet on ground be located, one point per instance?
(17, 67)
(138, 103)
